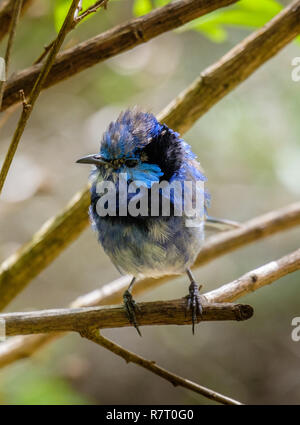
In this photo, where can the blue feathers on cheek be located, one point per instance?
(143, 174)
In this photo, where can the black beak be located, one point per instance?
(92, 159)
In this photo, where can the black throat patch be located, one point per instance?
(166, 151)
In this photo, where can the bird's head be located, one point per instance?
(137, 144)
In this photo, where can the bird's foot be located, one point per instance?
(194, 303)
(131, 307)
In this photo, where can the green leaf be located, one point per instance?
(270, 6)
(160, 3)
(214, 32)
(61, 8)
(141, 7)
(245, 14)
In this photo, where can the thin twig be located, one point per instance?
(213, 84)
(28, 105)
(44, 53)
(24, 346)
(61, 230)
(92, 9)
(6, 12)
(256, 279)
(76, 21)
(77, 11)
(114, 41)
(130, 357)
(172, 312)
(10, 41)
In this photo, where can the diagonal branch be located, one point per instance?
(20, 268)
(12, 33)
(233, 68)
(216, 246)
(92, 9)
(55, 235)
(76, 21)
(112, 42)
(256, 279)
(172, 312)
(128, 356)
(37, 87)
(21, 347)
(213, 84)
(6, 13)
(58, 232)
(17, 271)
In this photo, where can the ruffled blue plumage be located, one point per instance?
(149, 153)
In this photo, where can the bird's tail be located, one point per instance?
(213, 223)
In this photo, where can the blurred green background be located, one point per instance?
(248, 145)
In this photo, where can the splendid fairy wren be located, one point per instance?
(143, 153)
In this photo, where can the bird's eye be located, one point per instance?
(131, 163)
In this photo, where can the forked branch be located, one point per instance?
(172, 312)
(56, 234)
(24, 346)
(130, 357)
(19, 269)
(112, 42)
(37, 87)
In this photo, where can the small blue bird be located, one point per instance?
(147, 152)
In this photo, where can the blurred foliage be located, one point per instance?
(245, 14)
(249, 146)
(28, 384)
(141, 7)
(61, 8)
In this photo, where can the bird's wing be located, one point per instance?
(212, 223)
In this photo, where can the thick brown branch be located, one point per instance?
(19, 269)
(112, 42)
(176, 380)
(92, 9)
(212, 85)
(20, 347)
(171, 312)
(223, 243)
(6, 12)
(233, 68)
(77, 20)
(58, 232)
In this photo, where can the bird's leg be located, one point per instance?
(131, 306)
(193, 299)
